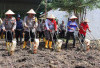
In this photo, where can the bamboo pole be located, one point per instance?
(45, 8)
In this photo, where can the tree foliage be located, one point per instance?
(79, 7)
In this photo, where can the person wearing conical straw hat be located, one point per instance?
(83, 28)
(71, 27)
(30, 25)
(9, 25)
(50, 29)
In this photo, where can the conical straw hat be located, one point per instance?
(73, 17)
(31, 11)
(51, 16)
(9, 12)
(86, 20)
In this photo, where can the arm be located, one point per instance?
(24, 22)
(35, 24)
(77, 27)
(46, 23)
(14, 26)
(3, 25)
(21, 24)
(55, 25)
(68, 25)
(89, 29)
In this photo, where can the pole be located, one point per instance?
(45, 8)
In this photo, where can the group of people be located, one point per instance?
(46, 29)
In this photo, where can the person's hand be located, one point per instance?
(26, 26)
(4, 29)
(84, 30)
(55, 30)
(12, 30)
(69, 27)
(89, 30)
(78, 29)
(72, 28)
(50, 30)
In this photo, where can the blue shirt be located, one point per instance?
(49, 24)
(72, 25)
(19, 24)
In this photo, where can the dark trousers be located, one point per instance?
(27, 36)
(55, 37)
(8, 36)
(70, 34)
(49, 35)
(19, 33)
(62, 34)
(41, 34)
(1, 33)
(37, 34)
(82, 37)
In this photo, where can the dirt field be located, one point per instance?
(46, 58)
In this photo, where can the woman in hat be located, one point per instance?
(19, 29)
(50, 29)
(9, 25)
(30, 26)
(71, 27)
(83, 28)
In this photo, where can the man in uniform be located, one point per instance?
(50, 29)
(9, 26)
(30, 26)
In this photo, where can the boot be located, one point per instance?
(46, 44)
(44, 39)
(24, 44)
(50, 44)
(7, 45)
(3, 36)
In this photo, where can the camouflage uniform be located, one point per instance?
(32, 25)
(9, 24)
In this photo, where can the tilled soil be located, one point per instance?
(46, 58)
